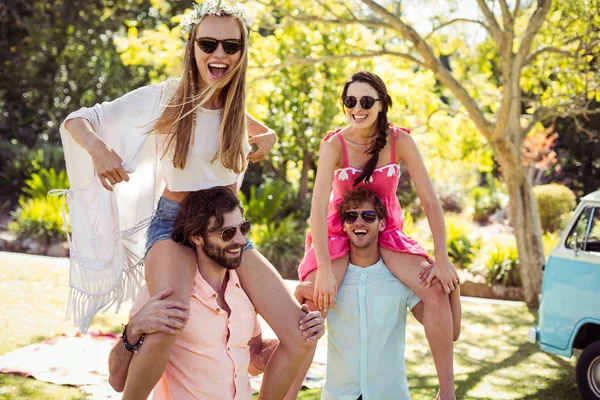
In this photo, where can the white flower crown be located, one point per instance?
(214, 7)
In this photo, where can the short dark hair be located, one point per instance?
(193, 218)
(359, 196)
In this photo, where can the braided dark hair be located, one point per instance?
(381, 125)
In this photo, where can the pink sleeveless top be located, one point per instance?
(384, 182)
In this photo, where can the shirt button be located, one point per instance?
(214, 296)
(218, 309)
(228, 348)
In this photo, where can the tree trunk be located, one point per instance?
(526, 221)
(307, 160)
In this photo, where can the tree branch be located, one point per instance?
(350, 11)
(517, 7)
(535, 118)
(548, 49)
(570, 111)
(458, 20)
(432, 62)
(371, 23)
(507, 18)
(431, 114)
(533, 27)
(559, 111)
(325, 6)
(579, 126)
(491, 21)
(293, 61)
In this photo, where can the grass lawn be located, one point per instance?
(492, 359)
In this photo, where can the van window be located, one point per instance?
(580, 228)
(593, 240)
(587, 228)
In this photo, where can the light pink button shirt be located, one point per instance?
(210, 358)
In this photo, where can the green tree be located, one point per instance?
(542, 47)
(301, 102)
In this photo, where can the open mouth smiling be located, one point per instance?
(217, 70)
(234, 252)
(359, 118)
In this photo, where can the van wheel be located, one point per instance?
(588, 372)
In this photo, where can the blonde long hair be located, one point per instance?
(177, 121)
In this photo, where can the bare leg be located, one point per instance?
(339, 267)
(168, 264)
(271, 298)
(437, 315)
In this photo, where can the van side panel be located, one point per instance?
(570, 296)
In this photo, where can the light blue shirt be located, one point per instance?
(366, 332)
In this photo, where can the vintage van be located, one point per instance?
(569, 314)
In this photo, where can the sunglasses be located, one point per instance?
(228, 233)
(366, 102)
(350, 217)
(209, 45)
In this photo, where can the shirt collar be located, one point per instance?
(203, 291)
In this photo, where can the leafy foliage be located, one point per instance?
(461, 249)
(264, 203)
(19, 162)
(38, 219)
(60, 56)
(502, 264)
(279, 239)
(485, 203)
(38, 215)
(549, 239)
(578, 152)
(282, 243)
(555, 203)
(38, 186)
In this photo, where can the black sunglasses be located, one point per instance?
(228, 233)
(209, 45)
(366, 102)
(350, 217)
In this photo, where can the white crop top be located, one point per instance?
(199, 172)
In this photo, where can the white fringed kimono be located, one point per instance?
(109, 228)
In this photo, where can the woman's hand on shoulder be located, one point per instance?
(264, 143)
(107, 164)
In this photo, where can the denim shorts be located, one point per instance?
(161, 225)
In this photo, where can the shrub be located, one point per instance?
(409, 224)
(38, 185)
(485, 204)
(282, 243)
(555, 202)
(38, 219)
(39, 216)
(18, 162)
(265, 202)
(451, 203)
(502, 264)
(549, 240)
(461, 249)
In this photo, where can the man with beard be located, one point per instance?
(366, 329)
(221, 342)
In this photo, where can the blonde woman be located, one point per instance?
(181, 135)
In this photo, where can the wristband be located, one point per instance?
(135, 348)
